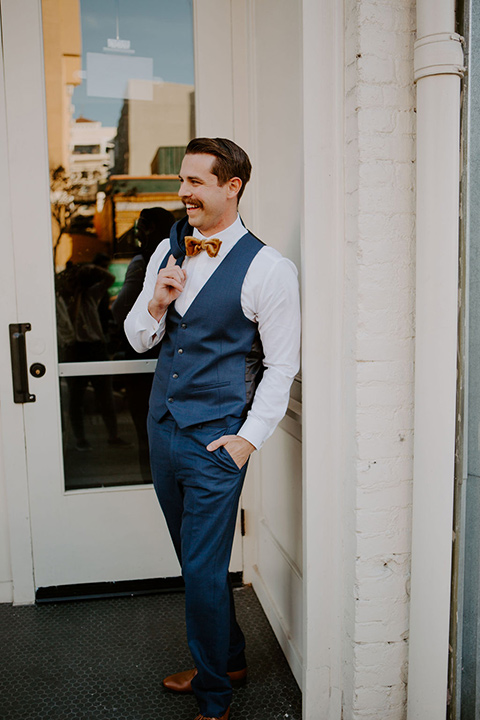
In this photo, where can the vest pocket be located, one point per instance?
(209, 386)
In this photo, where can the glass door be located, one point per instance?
(120, 112)
(100, 104)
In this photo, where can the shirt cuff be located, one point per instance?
(255, 431)
(147, 322)
(141, 329)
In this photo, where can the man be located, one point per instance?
(225, 309)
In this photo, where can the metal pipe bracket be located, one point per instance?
(439, 54)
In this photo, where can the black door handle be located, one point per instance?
(18, 351)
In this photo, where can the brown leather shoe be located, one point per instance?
(224, 716)
(182, 682)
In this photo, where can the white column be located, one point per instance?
(438, 71)
(322, 279)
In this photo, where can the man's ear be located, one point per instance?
(234, 186)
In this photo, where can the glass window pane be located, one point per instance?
(119, 80)
(104, 430)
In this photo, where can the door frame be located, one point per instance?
(11, 415)
(65, 529)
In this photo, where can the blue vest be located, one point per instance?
(210, 359)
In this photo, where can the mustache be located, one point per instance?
(197, 203)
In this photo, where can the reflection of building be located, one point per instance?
(146, 125)
(63, 51)
(90, 146)
(90, 156)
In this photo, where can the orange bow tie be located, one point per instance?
(194, 246)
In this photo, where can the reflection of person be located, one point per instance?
(228, 323)
(65, 329)
(152, 227)
(88, 285)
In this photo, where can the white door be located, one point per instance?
(93, 514)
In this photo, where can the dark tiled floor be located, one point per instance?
(104, 660)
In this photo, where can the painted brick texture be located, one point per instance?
(379, 342)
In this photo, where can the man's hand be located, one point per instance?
(170, 283)
(237, 447)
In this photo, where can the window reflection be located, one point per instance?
(120, 112)
(93, 406)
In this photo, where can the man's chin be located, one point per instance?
(194, 219)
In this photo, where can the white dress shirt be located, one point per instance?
(269, 297)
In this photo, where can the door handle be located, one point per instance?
(18, 352)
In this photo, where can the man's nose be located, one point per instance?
(183, 191)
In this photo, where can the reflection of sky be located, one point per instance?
(159, 29)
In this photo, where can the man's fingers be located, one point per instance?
(172, 270)
(173, 282)
(217, 443)
(172, 276)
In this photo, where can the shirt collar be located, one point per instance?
(229, 236)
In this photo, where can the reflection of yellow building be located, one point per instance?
(62, 41)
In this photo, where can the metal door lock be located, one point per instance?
(38, 370)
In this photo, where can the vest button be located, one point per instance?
(170, 399)
(180, 351)
(184, 326)
(175, 376)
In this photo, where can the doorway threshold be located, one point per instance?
(123, 588)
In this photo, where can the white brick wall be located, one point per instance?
(379, 337)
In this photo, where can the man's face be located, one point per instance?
(210, 207)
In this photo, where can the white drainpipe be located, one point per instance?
(438, 73)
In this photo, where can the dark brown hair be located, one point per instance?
(230, 160)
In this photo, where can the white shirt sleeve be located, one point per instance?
(141, 329)
(275, 305)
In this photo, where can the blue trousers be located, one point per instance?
(199, 492)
